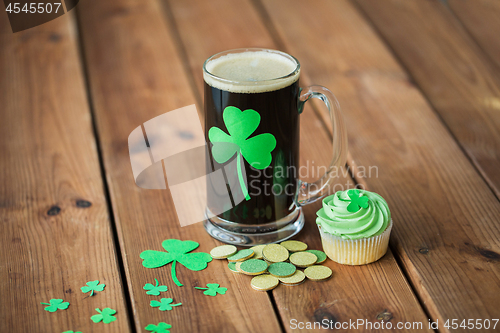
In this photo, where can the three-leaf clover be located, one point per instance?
(160, 328)
(154, 290)
(92, 286)
(71, 332)
(164, 304)
(213, 289)
(256, 150)
(55, 304)
(357, 201)
(106, 315)
(177, 252)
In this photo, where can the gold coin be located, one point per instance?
(223, 251)
(318, 272)
(258, 251)
(232, 267)
(274, 253)
(296, 278)
(281, 269)
(294, 246)
(237, 266)
(241, 255)
(264, 282)
(253, 266)
(292, 284)
(320, 254)
(303, 259)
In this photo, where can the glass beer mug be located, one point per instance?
(253, 104)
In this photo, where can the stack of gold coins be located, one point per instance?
(273, 264)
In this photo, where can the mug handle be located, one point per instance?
(310, 192)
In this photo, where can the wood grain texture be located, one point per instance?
(458, 79)
(205, 28)
(446, 230)
(52, 242)
(481, 18)
(135, 74)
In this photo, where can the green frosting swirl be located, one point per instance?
(335, 219)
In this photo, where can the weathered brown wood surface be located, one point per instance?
(447, 242)
(135, 74)
(456, 76)
(52, 242)
(418, 82)
(481, 18)
(310, 302)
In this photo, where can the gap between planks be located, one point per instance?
(428, 99)
(114, 227)
(396, 265)
(431, 283)
(351, 165)
(181, 49)
(139, 40)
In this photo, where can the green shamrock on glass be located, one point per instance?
(177, 252)
(255, 150)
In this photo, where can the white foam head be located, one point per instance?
(251, 71)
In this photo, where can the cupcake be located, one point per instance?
(355, 226)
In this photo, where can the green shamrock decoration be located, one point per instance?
(106, 315)
(356, 201)
(177, 252)
(92, 286)
(164, 304)
(256, 150)
(55, 304)
(154, 290)
(71, 332)
(160, 328)
(213, 289)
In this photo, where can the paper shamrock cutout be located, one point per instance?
(213, 289)
(356, 201)
(71, 332)
(177, 252)
(55, 304)
(164, 304)
(154, 290)
(92, 286)
(160, 328)
(256, 150)
(106, 315)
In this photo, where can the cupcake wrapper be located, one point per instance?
(355, 251)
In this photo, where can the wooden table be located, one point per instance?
(419, 85)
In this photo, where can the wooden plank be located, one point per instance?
(481, 18)
(460, 82)
(52, 242)
(446, 230)
(135, 74)
(205, 28)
